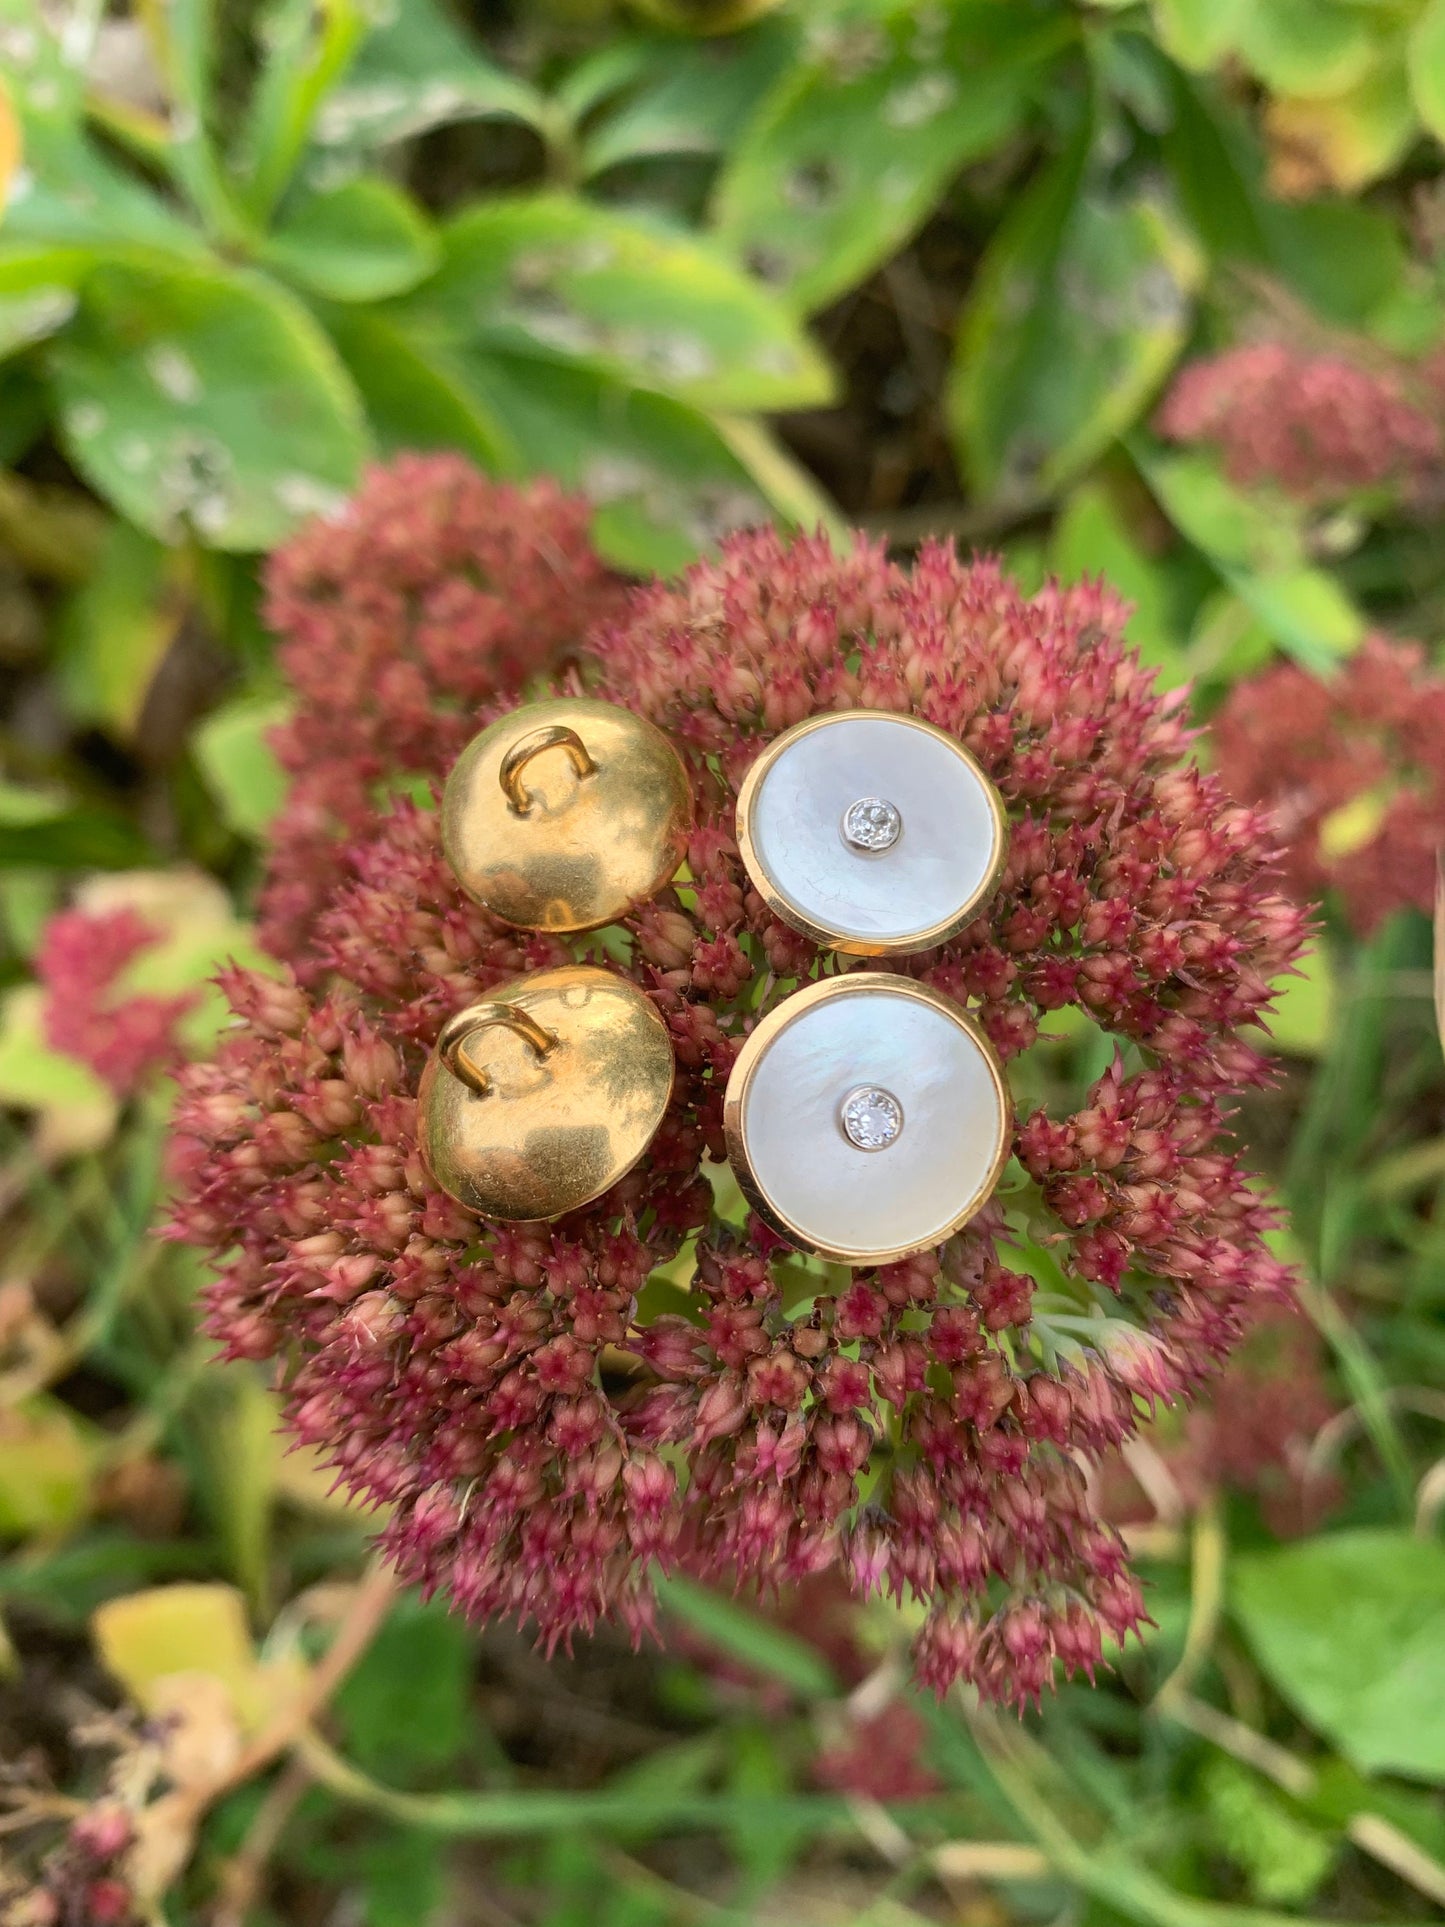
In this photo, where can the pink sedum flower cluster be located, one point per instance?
(123, 1036)
(433, 592)
(546, 1426)
(1321, 426)
(1351, 770)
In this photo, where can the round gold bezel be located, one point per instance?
(852, 984)
(788, 912)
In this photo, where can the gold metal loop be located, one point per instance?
(549, 736)
(458, 1033)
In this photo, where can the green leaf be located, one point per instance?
(74, 839)
(1198, 33)
(1307, 48)
(1427, 67)
(113, 632)
(667, 480)
(403, 1880)
(670, 98)
(1306, 1007)
(1078, 312)
(629, 297)
(45, 1461)
(235, 757)
(413, 71)
(1351, 1629)
(70, 195)
(64, 1586)
(407, 1708)
(1217, 169)
(847, 156)
(418, 395)
(234, 1420)
(359, 242)
(1285, 1858)
(665, 483)
(205, 402)
(1091, 538)
(744, 1635)
(1308, 614)
(1259, 556)
(43, 84)
(1222, 520)
(307, 50)
(37, 294)
(1346, 258)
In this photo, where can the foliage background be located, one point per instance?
(919, 265)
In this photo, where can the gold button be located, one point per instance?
(867, 1117)
(566, 815)
(539, 1099)
(873, 833)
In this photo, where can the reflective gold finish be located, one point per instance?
(564, 842)
(578, 1075)
(462, 1031)
(554, 736)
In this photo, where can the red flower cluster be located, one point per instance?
(123, 1037)
(1353, 771)
(544, 1423)
(1320, 425)
(83, 1881)
(434, 592)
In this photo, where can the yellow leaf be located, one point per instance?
(9, 145)
(74, 1110)
(1341, 143)
(146, 1637)
(1355, 824)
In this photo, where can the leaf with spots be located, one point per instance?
(1082, 304)
(852, 148)
(413, 71)
(205, 402)
(626, 296)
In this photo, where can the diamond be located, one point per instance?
(872, 1118)
(872, 823)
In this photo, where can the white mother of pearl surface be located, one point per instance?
(872, 901)
(864, 1206)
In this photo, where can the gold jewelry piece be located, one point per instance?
(566, 815)
(578, 1075)
(867, 1117)
(873, 833)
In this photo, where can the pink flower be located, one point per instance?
(123, 1037)
(1320, 425)
(1370, 741)
(434, 592)
(542, 1433)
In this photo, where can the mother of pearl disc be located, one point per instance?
(872, 833)
(926, 1162)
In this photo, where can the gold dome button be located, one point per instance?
(540, 1098)
(566, 815)
(867, 1117)
(872, 833)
